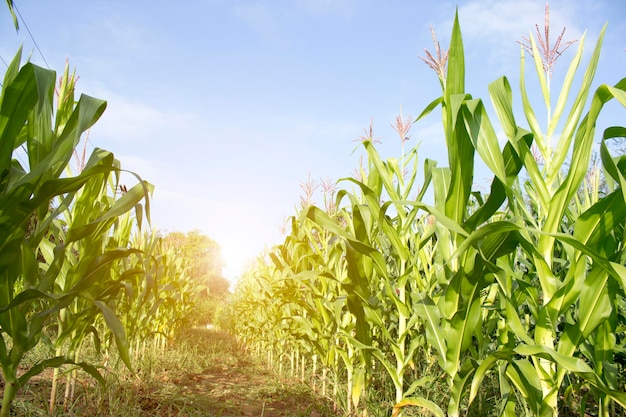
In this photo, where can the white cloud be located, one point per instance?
(496, 25)
(127, 120)
(505, 21)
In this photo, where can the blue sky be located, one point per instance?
(227, 106)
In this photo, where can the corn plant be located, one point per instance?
(566, 304)
(13, 15)
(37, 282)
(525, 283)
(159, 294)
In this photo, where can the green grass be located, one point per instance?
(203, 373)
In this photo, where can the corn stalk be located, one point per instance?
(33, 200)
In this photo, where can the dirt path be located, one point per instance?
(248, 391)
(220, 380)
(203, 374)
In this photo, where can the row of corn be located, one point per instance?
(459, 299)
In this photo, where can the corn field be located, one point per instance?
(77, 260)
(408, 291)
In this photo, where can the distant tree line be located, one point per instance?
(204, 257)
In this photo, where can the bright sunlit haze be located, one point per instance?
(227, 107)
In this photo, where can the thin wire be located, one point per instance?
(30, 34)
(6, 65)
(2, 59)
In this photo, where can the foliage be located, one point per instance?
(76, 261)
(522, 286)
(56, 246)
(205, 373)
(204, 258)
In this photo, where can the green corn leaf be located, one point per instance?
(567, 294)
(381, 168)
(595, 305)
(441, 180)
(357, 297)
(392, 234)
(417, 402)
(566, 87)
(94, 267)
(502, 101)
(13, 15)
(524, 377)
(454, 111)
(421, 382)
(541, 73)
(461, 157)
(429, 166)
(45, 80)
(358, 383)
(455, 78)
(127, 202)
(484, 138)
(93, 371)
(514, 323)
(372, 197)
(57, 362)
(610, 165)
(459, 334)
(13, 68)
(571, 364)
(391, 370)
(431, 106)
(457, 390)
(27, 296)
(528, 109)
(619, 92)
(578, 168)
(18, 99)
(498, 194)
(391, 294)
(87, 112)
(599, 221)
(323, 220)
(116, 327)
(427, 309)
(13, 321)
(493, 240)
(40, 367)
(563, 146)
(537, 180)
(601, 260)
(482, 369)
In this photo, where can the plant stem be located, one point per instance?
(8, 396)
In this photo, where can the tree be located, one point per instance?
(204, 257)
